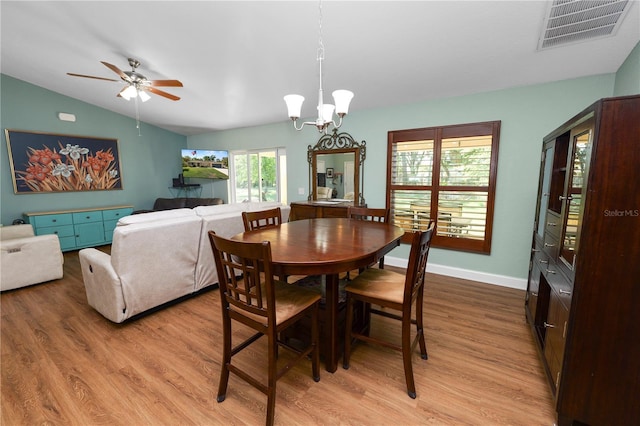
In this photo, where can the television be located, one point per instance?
(205, 164)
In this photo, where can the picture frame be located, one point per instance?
(329, 172)
(49, 162)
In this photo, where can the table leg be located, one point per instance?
(331, 324)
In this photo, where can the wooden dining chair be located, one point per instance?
(264, 304)
(262, 219)
(395, 291)
(370, 214)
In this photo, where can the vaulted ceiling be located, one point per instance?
(237, 59)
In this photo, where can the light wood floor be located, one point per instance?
(63, 363)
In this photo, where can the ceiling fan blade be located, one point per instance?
(90, 76)
(172, 83)
(116, 70)
(162, 93)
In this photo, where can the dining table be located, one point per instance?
(326, 246)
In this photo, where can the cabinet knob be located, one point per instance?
(568, 293)
(568, 198)
(552, 224)
(88, 217)
(534, 294)
(544, 262)
(534, 250)
(547, 325)
(549, 271)
(549, 245)
(54, 220)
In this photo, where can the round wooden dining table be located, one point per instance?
(326, 246)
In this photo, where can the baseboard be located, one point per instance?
(467, 274)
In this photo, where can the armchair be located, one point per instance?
(28, 259)
(324, 193)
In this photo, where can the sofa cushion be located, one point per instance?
(155, 216)
(16, 231)
(219, 209)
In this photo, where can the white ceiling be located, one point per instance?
(237, 59)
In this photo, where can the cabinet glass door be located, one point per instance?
(545, 184)
(581, 154)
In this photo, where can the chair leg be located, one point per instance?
(271, 386)
(406, 356)
(420, 326)
(315, 338)
(347, 333)
(226, 359)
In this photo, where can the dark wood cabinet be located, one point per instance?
(583, 295)
(316, 209)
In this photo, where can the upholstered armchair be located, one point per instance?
(28, 259)
(324, 193)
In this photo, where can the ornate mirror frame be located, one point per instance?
(336, 143)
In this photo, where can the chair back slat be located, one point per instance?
(244, 274)
(262, 219)
(370, 214)
(416, 269)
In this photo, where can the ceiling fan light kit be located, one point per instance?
(137, 84)
(342, 98)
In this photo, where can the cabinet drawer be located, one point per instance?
(550, 245)
(115, 214)
(334, 212)
(51, 220)
(60, 231)
(552, 224)
(87, 217)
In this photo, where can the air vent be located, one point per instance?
(574, 21)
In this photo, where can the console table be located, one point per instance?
(79, 228)
(317, 209)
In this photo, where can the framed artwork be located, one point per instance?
(329, 172)
(43, 162)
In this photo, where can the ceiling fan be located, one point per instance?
(137, 84)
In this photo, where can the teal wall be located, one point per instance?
(527, 115)
(148, 161)
(628, 75)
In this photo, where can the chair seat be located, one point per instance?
(290, 301)
(380, 284)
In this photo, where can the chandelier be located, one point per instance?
(342, 98)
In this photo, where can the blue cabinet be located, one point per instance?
(79, 228)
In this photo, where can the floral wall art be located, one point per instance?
(42, 162)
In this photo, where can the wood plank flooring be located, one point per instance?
(64, 364)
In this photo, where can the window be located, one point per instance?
(447, 175)
(258, 175)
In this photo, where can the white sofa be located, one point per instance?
(28, 259)
(158, 257)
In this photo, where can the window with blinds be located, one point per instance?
(447, 175)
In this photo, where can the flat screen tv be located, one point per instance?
(205, 164)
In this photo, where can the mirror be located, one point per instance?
(335, 168)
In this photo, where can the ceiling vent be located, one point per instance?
(574, 21)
